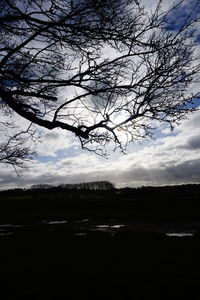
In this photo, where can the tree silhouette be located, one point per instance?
(105, 70)
(15, 149)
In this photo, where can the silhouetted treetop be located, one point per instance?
(91, 185)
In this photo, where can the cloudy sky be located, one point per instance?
(171, 158)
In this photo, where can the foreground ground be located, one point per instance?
(100, 251)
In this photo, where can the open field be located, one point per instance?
(100, 250)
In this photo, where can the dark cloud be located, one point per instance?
(193, 143)
(187, 172)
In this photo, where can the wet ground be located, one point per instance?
(111, 227)
(99, 259)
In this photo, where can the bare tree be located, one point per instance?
(106, 70)
(16, 150)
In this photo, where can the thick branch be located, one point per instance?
(19, 109)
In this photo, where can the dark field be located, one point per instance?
(100, 250)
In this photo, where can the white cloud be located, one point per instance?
(53, 141)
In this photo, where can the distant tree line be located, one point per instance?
(93, 185)
(164, 190)
(41, 186)
(102, 191)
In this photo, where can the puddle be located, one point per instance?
(88, 227)
(6, 233)
(10, 225)
(56, 222)
(117, 226)
(179, 234)
(110, 229)
(81, 234)
(8, 229)
(82, 221)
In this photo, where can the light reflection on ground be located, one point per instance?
(112, 227)
(179, 234)
(6, 233)
(56, 222)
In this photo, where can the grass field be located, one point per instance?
(99, 251)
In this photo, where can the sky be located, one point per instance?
(171, 158)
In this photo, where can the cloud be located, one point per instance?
(171, 159)
(53, 141)
(173, 174)
(192, 143)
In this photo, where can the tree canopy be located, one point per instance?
(105, 70)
